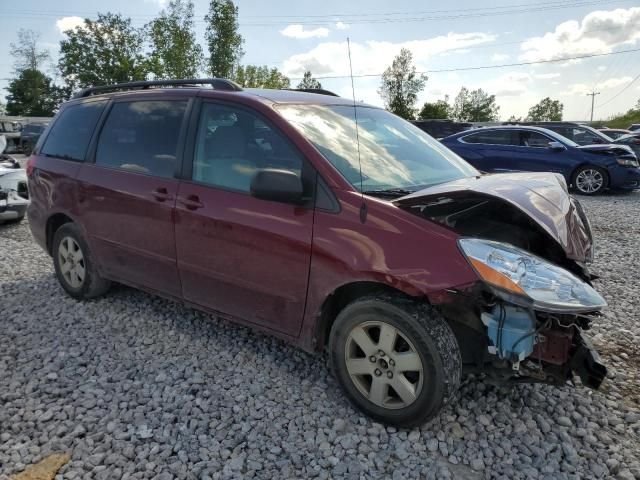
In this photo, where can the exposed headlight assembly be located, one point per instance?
(527, 279)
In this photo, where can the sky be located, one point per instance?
(454, 43)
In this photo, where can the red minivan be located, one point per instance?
(332, 225)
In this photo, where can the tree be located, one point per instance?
(174, 50)
(33, 94)
(101, 52)
(546, 110)
(253, 76)
(3, 109)
(223, 39)
(401, 85)
(475, 106)
(308, 81)
(26, 54)
(437, 110)
(514, 119)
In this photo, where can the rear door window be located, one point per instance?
(70, 135)
(494, 137)
(142, 136)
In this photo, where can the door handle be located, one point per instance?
(191, 202)
(161, 194)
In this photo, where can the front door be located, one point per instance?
(239, 255)
(127, 196)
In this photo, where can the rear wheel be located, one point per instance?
(395, 359)
(74, 264)
(590, 180)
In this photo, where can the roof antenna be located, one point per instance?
(363, 207)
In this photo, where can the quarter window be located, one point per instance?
(232, 144)
(495, 137)
(70, 135)
(142, 136)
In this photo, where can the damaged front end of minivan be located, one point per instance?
(529, 242)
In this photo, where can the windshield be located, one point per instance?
(394, 154)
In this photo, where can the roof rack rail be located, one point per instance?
(216, 83)
(319, 91)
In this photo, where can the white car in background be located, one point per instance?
(14, 196)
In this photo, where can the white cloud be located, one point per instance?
(546, 76)
(298, 31)
(598, 32)
(583, 89)
(69, 23)
(499, 57)
(341, 25)
(602, 68)
(160, 3)
(372, 57)
(508, 84)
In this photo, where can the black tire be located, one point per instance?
(584, 169)
(431, 338)
(92, 285)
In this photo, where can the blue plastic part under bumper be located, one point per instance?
(624, 178)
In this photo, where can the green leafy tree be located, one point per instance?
(309, 82)
(546, 110)
(3, 109)
(101, 52)
(25, 52)
(33, 94)
(223, 39)
(475, 106)
(513, 118)
(174, 50)
(253, 76)
(401, 85)
(436, 110)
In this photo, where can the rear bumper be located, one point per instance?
(11, 212)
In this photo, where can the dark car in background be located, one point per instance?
(632, 141)
(29, 136)
(634, 127)
(576, 132)
(441, 128)
(589, 169)
(391, 253)
(614, 133)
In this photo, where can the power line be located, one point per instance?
(620, 92)
(451, 14)
(488, 67)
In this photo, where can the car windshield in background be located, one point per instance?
(394, 153)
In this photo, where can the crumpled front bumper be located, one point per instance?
(585, 362)
(12, 205)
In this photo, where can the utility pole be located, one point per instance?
(593, 97)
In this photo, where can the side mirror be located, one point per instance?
(556, 146)
(277, 185)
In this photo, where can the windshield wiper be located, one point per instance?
(389, 192)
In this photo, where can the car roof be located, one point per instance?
(263, 95)
(529, 128)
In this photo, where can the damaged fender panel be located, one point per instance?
(528, 204)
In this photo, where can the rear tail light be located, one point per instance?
(31, 164)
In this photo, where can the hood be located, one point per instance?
(607, 149)
(537, 205)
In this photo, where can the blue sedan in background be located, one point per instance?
(590, 169)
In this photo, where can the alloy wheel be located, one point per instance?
(71, 261)
(589, 180)
(384, 365)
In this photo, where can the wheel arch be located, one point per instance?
(343, 295)
(54, 222)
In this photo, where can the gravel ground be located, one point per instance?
(134, 386)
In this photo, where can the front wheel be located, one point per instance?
(395, 359)
(590, 180)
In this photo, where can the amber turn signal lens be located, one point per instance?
(496, 278)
